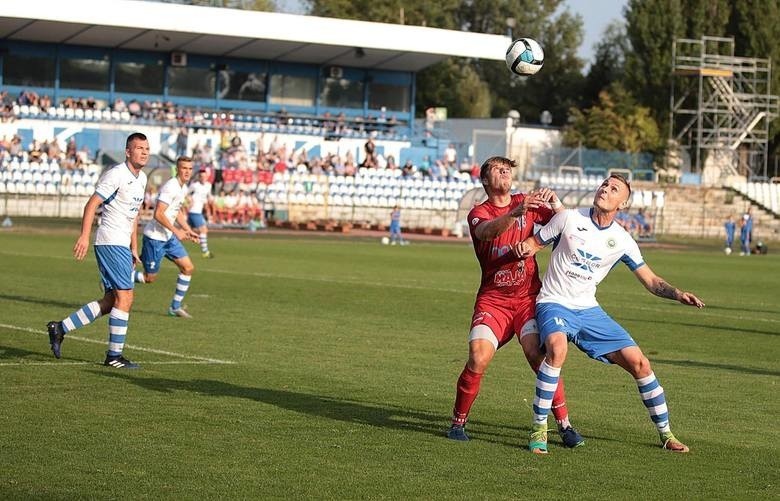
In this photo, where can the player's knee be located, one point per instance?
(188, 269)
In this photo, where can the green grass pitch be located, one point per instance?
(324, 368)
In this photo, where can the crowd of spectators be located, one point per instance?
(168, 113)
(69, 158)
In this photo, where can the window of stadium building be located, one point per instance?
(138, 78)
(341, 93)
(392, 97)
(87, 74)
(292, 91)
(28, 71)
(243, 85)
(191, 82)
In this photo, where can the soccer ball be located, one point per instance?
(524, 57)
(727, 250)
(385, 240)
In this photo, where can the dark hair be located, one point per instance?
(490, 162)
(132, 137)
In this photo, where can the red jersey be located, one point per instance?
(503, 275)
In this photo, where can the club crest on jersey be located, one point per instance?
(611, 243)
(474, 221)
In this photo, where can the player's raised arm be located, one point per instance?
(661, 288)
(495, 227)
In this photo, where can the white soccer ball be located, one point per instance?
(385, 241)
(524, 57)
(727, 250)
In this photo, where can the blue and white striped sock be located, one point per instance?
(81, 317)
(546, 383)
(138, 276)
(182, 284)
(652, 394)
(204, 242)
(117, 331)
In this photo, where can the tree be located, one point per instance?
(449, 84)
(617, 123)
(609, 64)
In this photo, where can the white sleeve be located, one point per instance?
(108, 183)
(554, 228)
(166, 194)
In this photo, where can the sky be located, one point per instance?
(596, 15)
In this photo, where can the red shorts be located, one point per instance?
(505, 319)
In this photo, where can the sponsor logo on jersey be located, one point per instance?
(585, 260)
(474, 221)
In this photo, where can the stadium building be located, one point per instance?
(84, 75)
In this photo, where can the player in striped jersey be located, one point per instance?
(587, 247)
(120, 190)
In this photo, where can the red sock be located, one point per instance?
(466, 392)
(559, 409)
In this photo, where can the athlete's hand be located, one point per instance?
(690, 299)
(81, 247)
(521, 250)
(136, 258)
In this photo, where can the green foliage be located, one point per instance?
(346, 355)
(609, 63)
(616, 123)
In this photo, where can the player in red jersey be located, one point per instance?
(505, 304)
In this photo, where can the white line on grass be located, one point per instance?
(60, 363)
(202, 360)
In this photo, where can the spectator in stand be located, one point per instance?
(15, 150)
(134, 108)
(369, 149)
(643, 225)
(349, 164)
(119, 105)
(450, 156)
(181, 142)
(624, 219)
(425, 167)
(53, 151)
(391, 165)
(408, 169)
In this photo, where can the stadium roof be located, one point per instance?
(164, 27)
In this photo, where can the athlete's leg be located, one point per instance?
(186, 269)
(481, 352)
(118, 320)
(635, 363)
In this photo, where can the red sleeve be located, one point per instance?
(477, 215)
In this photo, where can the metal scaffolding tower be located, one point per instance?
(721, 106)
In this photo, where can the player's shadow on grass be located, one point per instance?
(340, 409)
(8, 353)
(727, 328)
(37, 300)
(728, 367)
(69, 306)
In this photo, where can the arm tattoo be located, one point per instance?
(663, 289)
